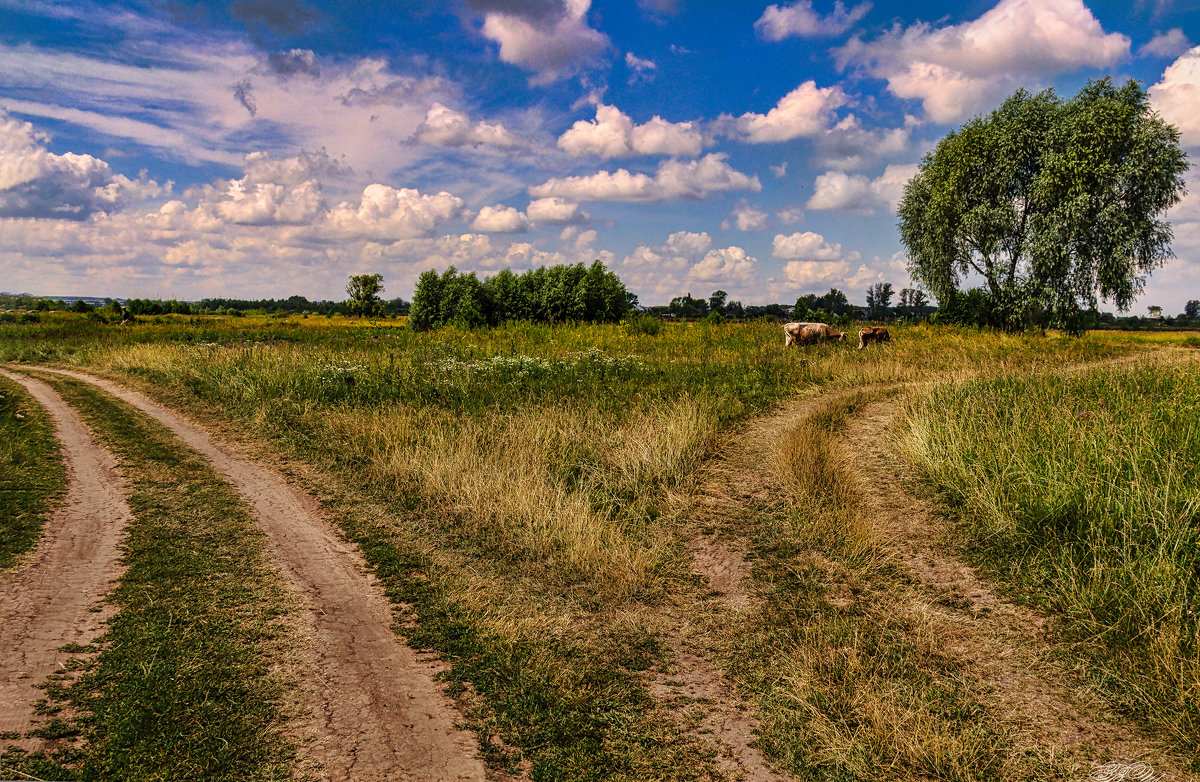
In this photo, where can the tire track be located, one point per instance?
(377, 712)
(56, 597)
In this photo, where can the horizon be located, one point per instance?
(252, 148)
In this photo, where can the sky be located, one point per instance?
(264, 148)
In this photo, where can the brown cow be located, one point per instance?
(809, 333)
(872, 334)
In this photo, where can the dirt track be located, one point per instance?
(50, 600)
(377, 711)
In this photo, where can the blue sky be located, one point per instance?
(269, 147)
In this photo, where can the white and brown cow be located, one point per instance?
(809, 334)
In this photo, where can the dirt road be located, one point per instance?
(51, 599)
(377, 711)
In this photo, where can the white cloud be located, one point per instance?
(555, 211)
(178, 100)
(804, 112)
(688, 259)
(501, 220)
(779, 171)
(799, 19)
(848, 145)
(1177, 94)
(839, 191)
(674, 179)
(639, 69)
(730, 265)
(553, 49)
(959, 69)
(385, 213)
(749, 218)
(808, 246)
(443, 126)
(613, 134)
(35, 182)
(1167, 45)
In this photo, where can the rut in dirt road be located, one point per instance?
(729, 485)
(377, 711)
(998, 641)
(56, 597)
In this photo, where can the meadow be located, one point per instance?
(527, 495)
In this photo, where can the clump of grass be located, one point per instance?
(32, 477)
(183, 685)
(1082, 494)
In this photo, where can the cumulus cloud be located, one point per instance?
(958, 69)
(555, 211)
(674, 179)
(385, 213)
(800, 20)
(730, 265)
(1167, 45)
(551, 46)
(686, 259)
(839, 191)
(500, 220)
(443, 126)
(613, 134)
(804, 112)
(35, 182)
(1177, 94)
(848, 145)
(748, 218)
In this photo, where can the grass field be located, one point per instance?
(31, 473)
(1081, 493)
(526, 493)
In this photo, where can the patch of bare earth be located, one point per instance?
(999, 643)
(55, 597)
(376, 710)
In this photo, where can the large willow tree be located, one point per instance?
(1053, 204)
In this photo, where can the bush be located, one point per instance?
(643, 324)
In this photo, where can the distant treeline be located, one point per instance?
(554, 294)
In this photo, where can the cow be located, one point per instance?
(809, 333)
(872, 334)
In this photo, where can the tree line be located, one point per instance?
(554, 294)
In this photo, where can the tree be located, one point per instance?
(912, 300)
(879, 298)
(364, 290)
(1155, 311)
(834, 302)
(1052, 203)
(716, 302)
(1192, 309)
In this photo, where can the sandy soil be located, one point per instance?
(377, 712)
(56, 596)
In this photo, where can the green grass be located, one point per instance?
(518, 489)
(182, 687)
(1081, 493)
(32, 477)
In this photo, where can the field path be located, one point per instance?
(998, 641)
(56, 596)
(377, 711)
(730, 486)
